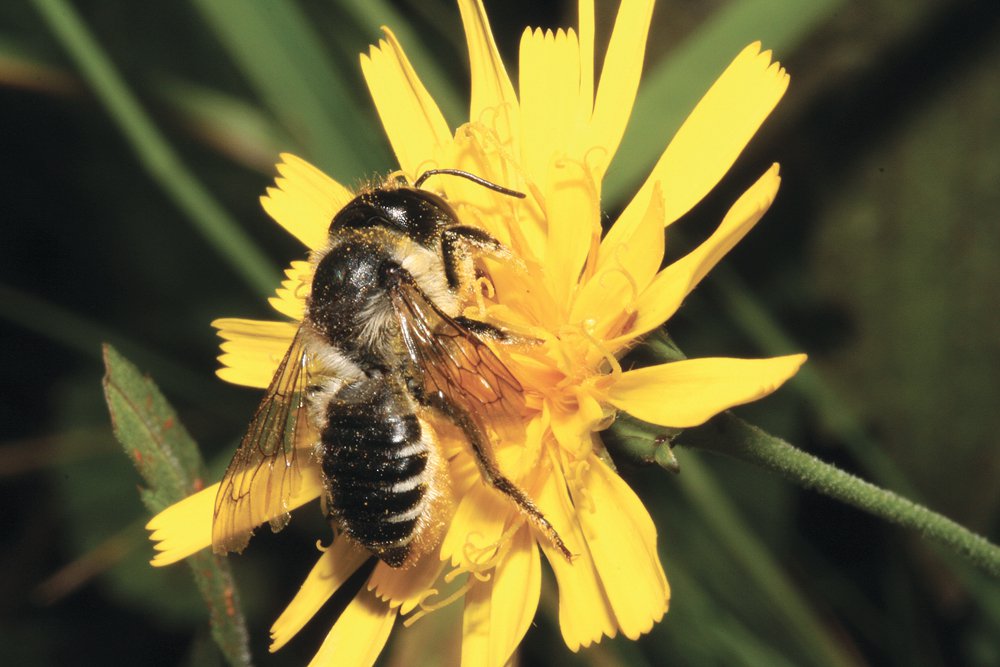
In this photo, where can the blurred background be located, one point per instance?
(879, 259)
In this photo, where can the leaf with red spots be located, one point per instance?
(169, 462)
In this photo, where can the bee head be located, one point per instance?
(416, 214)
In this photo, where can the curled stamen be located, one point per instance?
(629, 278)
(426, 608)
(321, 548)
(590, 154)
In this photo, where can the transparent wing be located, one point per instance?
(458, 366)
(263, 473)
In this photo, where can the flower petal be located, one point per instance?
(333, 568)
(476, 527)
(664, 295)
(584, 612)
(622, 540)
(517, 585)
(415, 126)
(290, 298)
(252, 349)
(574, 218)
(476, 625)
(714, 134)
(492, 92)
(359, 634)
(305, 200)
(405, 588)
(625, 266)
(688, 393)
(619, 81)
(585, 13)
(183, 528)
(186, 526)
(549, 89)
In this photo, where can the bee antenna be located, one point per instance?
(472, 177)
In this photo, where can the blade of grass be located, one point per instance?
(674, 85)
(753, 556)
(170, 463)
(233, 126)
(284, 61)
(153, 151)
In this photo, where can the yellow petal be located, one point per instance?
(333, 568)
(688, 393)
(305, 200)
(619, 81)
(714, 134)
(664, 295)
(574, 227)
(405, 588)
(415, 126)
(584, 612)
(183, 528)
(549, 87)
(517, 585)
(359, 634)
(476, 625)
(186, 526)
(290, 298)
(622, 540)
(499, 611)
(493, 98)
(252, 349)
(585, 12)
(476, 527)
(625, 266)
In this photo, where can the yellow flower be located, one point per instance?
(585, 298)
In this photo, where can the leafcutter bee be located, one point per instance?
(382, 352)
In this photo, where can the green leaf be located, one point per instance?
(171, 465)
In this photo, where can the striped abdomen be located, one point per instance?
(375, 458)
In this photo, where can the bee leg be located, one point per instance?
(492, 475)
(483, 329)
(455, 244)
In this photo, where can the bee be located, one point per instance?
(381, 353)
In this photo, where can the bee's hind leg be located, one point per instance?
(492, 476)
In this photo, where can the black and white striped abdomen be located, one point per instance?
(375, 459)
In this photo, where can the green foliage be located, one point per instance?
(169, 461)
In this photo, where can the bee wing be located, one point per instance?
(457, 365)
(263, 473)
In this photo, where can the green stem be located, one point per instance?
(729, 435)
(155, 154)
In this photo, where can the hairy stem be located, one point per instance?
(729, 435)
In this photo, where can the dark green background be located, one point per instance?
(879, 259)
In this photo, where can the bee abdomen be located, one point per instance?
(376, 468)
